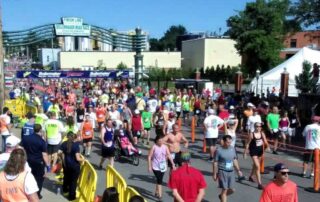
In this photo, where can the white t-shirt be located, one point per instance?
(252, 120)
(4, 157)
(152, 103)
(212, 122)
(93, 118)
(312, 134)
(30, 184)
(114, 115)
(60, 129)
(178, 106)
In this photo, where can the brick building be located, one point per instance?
(294, 42)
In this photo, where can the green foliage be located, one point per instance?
(100, 65)
(306, 12)
(259, 31)
(122, 66)
(168, 41)
(304, 81)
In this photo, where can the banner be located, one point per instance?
(72, 74)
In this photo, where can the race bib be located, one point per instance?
(284, 129)
(163, 166)
(275, 130)
(138, 133)
(294, 120)
(81, 117)
(259, 143)
(108, 144)
(100, 116)
(173, 155)
(197, 111)
(229, 165)
(87, 133)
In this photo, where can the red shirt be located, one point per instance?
(275, 193)
(136, 123)
(187, 180)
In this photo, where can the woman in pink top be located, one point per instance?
(284, 125)
(157, 162)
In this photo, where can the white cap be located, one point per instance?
(250, 105)
(231, 107)
(211, 111)
(12, 141)
(136, 111)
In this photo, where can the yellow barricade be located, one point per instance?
(114, 179)
(87, 183)
(16, 106)
(131, 192)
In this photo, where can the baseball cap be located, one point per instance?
(12, 141)
(250, 105)
(136, 111)
(280, 167)
(231, 107)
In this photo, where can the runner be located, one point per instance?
(136, 126)
(101, 113)
(87, 133)
(273, 119)
(167, 128)
(107, 140)
(173, 140)
(5, 126)
(147, 124)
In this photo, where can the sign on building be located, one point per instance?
(72, 27)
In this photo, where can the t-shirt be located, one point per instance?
(30, 184)
(53, 129)
(212, 122)
(34, 146)
(274, 193)
(312, 134)
(152, 103)
(187, 180)
(273, 120)
(80, 115)
(225, 157)
(252, 120)
(70, 158)
(146, 118)
(27, 130)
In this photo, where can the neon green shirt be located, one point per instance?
(146, 119)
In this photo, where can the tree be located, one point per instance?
(306, 12)
(122, 66)
(259, 32)
(155, 45)
(304, 81)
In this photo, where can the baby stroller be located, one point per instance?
(120, 152)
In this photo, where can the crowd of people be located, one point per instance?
(71, 114)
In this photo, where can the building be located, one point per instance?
(49, 56)
(208, 52)
(294, 42)
(91, 59)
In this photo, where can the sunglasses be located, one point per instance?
(285, 173)
(258, 126)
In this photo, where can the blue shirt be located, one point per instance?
(46, 105)
(70, 159)
(27, 130)
(34, 146)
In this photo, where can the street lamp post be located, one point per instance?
(257, 77)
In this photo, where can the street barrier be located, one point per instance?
(114, 179)
(262, 170)
(193, 128)
(16, 106)
(179, 123)
(87, 183)
(204, 146)
(316, 183)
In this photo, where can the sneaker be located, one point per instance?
(251, 179)
(130, 153)
(241, 178)
(312, 175)
(275, 152)
(220, 197)
(304, 175)
(260, 186)
(139, 152)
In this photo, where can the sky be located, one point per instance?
(153, 16)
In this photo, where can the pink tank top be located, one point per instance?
(283, 123)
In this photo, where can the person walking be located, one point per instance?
(27, 129)
(147, 124)
(187, 183)
(107, 141)
(5, 126)
(281, 188)
(37, 157)
(212, 123)
(157, 163)
(71, 158)
(225, 161)
(15, 177)
(255, 145)
(273, 119)
(136, 126)
(87, 135)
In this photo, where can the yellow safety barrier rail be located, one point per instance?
(87, 183)
(114, 179)
(16, 106)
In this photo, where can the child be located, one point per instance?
(126, 144)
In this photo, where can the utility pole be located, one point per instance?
(2, 93)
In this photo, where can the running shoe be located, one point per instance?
(260, 186)
(275, 152)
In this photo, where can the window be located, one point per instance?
(293, 43)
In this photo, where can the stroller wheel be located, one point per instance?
(135, 159)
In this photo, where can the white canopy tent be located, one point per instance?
(293, 66)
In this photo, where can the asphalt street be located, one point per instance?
(144, 182)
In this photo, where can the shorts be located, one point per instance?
(147, 129)
(178, 114)
(135, 134)
(107, 152)
(257, 151)
(276, 135)
(211, 142)
(159, 176)
(87, 140)
(185, 113)
(176, 160)
(308, 156)
(226, 179)
(53, 148)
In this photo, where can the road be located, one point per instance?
(144, 182)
